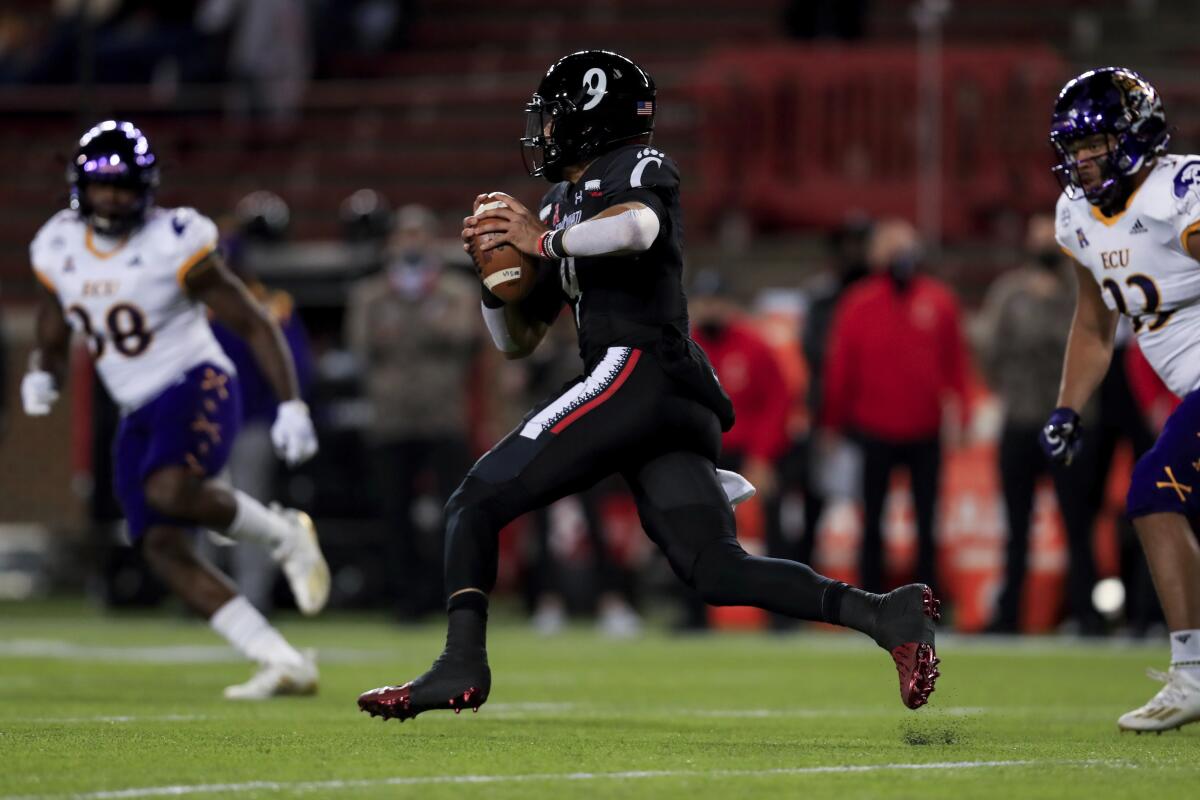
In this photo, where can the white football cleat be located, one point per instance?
(278, 680)
(1175, 705)
(303, 563)
(619, 621)
(550, 619)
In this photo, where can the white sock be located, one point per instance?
(1185, 650)
(254, 522)
(251, 635)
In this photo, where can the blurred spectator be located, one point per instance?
(548, 588)
(366, 216)
(366, 220)
(750, 373)
(3, 377)
(19, 43)
(377, 25)
(269, 55)
(826, 19)
(133, 41)
(260, 217)
(1120, 419)
(1022, 335)
(848, 248)
(897, 363)
(415, 331)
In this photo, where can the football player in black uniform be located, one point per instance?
(609, 236)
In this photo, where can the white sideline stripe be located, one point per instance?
(309, 786)
(158, 654)
(531, 710)
(113, 718)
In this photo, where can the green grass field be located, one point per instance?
(130, 707)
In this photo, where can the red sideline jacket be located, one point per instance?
(752, 377)
(893, 357)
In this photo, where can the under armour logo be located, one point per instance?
(1182, 638)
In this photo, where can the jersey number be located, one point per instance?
(570, 283)
(126, 327)
(1149, 291)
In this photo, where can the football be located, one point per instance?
(505, 271)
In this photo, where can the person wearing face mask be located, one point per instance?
(848, 264)
(895, 371)
(414, 329)
(751, 375)
(1021, 336)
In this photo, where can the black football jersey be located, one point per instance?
(617, 300)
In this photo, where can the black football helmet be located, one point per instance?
(117, 153)
(586, 103)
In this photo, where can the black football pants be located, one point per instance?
(626, 416)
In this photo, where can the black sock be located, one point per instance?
(466, 633)
(850, 607)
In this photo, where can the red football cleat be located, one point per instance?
(396, 702)
(907, 619)
(449, 685)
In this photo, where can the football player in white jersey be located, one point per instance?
(134, 279)
(1129, 216)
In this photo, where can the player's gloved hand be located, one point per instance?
(292, 434)
(38, 393)
(1062, 436)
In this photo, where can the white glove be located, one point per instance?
(292, 434)
(38, 393)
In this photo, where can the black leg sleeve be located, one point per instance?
(687, 515)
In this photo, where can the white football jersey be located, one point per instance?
(127, 297)
(1140, 261)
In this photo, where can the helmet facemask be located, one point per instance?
(541, 152)
(116, 223)
(1113, 183)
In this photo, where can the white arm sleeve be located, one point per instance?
(635, 229)
(498, 328)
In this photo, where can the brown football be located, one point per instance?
(505, 271)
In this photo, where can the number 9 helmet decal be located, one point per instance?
(586, 103)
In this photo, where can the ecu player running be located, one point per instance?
(609, 235)
(1129, 215)
(134, 279)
